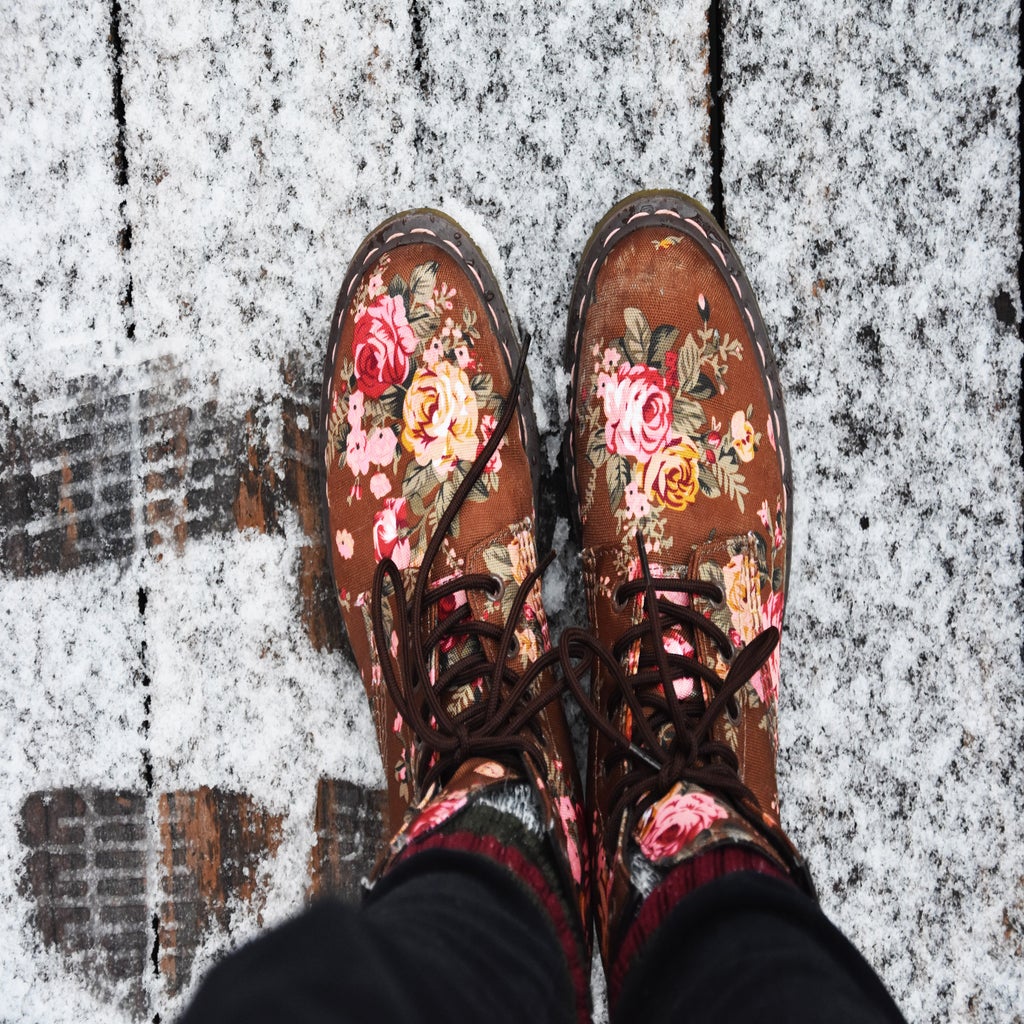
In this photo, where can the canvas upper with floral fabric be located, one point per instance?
(418, 386)
(675, 436)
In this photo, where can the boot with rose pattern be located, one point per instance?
(678, 458)
(430, 452)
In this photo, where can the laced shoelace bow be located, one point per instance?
(502, 724)
(672, 738)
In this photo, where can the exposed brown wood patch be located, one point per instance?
(125, 465)
(301, 464)
(213, 845)
(165, 475)
(69, 513)
(255, 505)
(349, 833)
(86, 875)
(154, 464)
(95, 858)
(301, 491)
(64, 494)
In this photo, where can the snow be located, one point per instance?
(870, 179)
(877, 213)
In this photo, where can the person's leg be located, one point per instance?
(679, 456)
(446, 936)
(744, 947)
(429, 506)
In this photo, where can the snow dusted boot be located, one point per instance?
(678, 456)
(430, 454)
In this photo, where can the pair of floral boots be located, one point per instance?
(679, 470)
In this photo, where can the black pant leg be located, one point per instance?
(448, 937)
(751, 948)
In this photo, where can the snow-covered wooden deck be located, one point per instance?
(186, 751)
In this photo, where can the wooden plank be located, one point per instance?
(349, 826)
(92, 858)
(85, 874)
(214, 849)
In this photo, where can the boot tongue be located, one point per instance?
(508, 557)
(730, 562)
(677, 639)
(477, 772)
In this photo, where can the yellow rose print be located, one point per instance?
(440, 417)
(743, 436)
(670, 477)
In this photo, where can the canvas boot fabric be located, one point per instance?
(430, 453)
(678, 457)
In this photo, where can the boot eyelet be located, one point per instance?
(717, 602)
(497, 590)
(513, 647)
(728, 653)
(618, 605)
(732, 709)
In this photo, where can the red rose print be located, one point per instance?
(387, 523)
(436, 814)
(676, 821)
(672, 369)
(382, 345)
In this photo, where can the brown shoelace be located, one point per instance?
(502, 724)
(672, 736)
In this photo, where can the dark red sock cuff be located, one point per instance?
(530, 877)
(676, 886)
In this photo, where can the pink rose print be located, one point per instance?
(435, 814)
(637, 504)
(355, 410)
(447, 606)
(376, 284)
(676, 643)
(675, 821)
(639, 412)
(672, 369)
(387, 523)
(487, 425)
(380, 485)
(766, 682)
(433, 352)
(356, 457)
(345, 543)
(381, 445)
(382, 345)
(463, 358)
(570, 815)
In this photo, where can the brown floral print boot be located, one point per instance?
(678, 456)
(430, 454)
